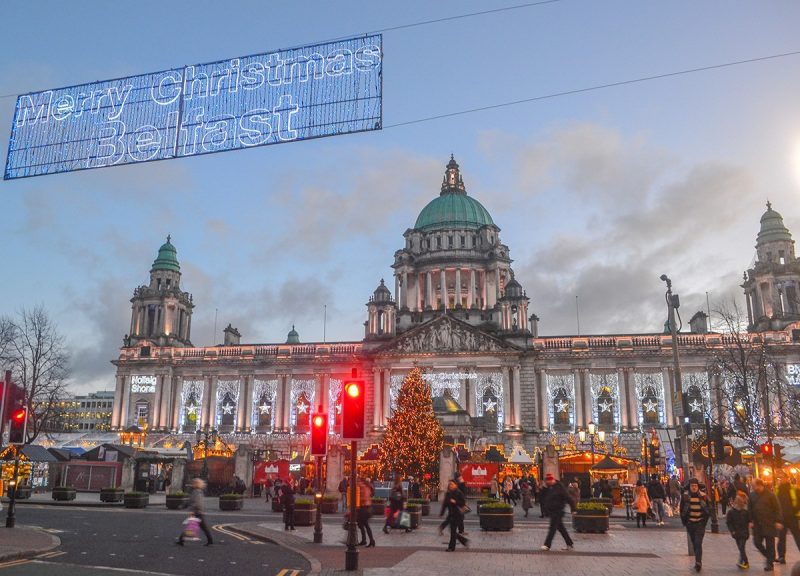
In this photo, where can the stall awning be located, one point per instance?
(607, 464)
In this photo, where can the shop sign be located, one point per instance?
(143, 384)
(477, 475)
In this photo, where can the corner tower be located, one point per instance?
(772, 286)
(161, 314)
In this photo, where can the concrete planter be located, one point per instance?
(496, 519)
(177, 501)
(304, 514)
(231, 502)
(425, 506)
(378, 508)
(415, 511)
(111, 494)
(63, 493)
(590, 521)
(136, 500)
(23, 492)
(329, 506)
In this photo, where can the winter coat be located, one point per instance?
(641, 501)
(738, 522)
(556, 499)
(197, 502)
(789, 499)
(287, 495)
(765, 512)
(453, 504)
(655, 490)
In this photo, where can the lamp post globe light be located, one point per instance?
(593, 433)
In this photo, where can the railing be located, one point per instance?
(244, 351)
(712, 340)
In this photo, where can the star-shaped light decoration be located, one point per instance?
(302, 408)
(649, 406)
(605, 406)
(192, 409)
(489, 406)
(562, 406)
(696, 406)
(227, 408)
(264, 408)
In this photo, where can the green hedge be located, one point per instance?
(495, 505)
(592, 506)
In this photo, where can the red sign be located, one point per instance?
(270, 471)
(479, 474)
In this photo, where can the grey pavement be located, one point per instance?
(24, 542)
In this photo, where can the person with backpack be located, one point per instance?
(694, 515)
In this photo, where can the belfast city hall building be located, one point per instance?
(454, 309)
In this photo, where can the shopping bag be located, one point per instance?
(405, 520)
(191, 528)
(668, 510)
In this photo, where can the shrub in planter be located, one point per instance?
(63, 493)
(111, 494)
(136, 499)
(482, 501)
(607, 502)
(378, 506)
(231, 501)
(496, 516)
(329, 504)
(415, 510)
(304, 512)
(177, 500)
(424, 504)
(591, 517)
(22, 492)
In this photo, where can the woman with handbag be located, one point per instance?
(454, 503)
(396, 500)
(641, 503)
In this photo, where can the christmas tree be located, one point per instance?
(414, 438)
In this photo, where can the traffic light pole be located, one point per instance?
(11, 519)
(711, 483)
(318, 497)
(351, 554)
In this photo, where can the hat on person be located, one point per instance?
(549, 478)
(694, 481)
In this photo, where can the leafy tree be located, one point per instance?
(414, 438)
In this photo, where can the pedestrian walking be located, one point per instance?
(286, 494)
(765, 520)
(197, 506)
(694, 515)
(495, 487)
(364, 512)
(738, 521)
(396, 500)
(627, 500)
(343, 491)
(554, 504)
(508, 491)
(656, 493)
(789, 500)
(641, 503)
(454, 503)
(543, 492)
(675, 491)
(527, 500)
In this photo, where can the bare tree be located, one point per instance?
(752, 396)
(39, 363)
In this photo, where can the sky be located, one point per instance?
(596, 193)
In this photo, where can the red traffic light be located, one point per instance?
(766, 449)
(17, 432)
(353, 408)
(18, 416)
(319, 434)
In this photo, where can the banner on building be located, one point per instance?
(477, 475)
(279, 96)
(271, 470)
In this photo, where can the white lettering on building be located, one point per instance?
(143, 384)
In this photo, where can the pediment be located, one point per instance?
(446, 335)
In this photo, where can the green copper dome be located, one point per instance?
(772, 227)
(453, 208)
(293, 337)
(167, 258)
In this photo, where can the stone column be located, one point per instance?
(420, 287)
(580, 421)
(544, 415)
(376, 409)
(588, 409)
(443, 288)
(397, 288)
(496, 284)
(241, 404)
(404, 292)
(471, 291)
(386, 397)
(507, 408)
(484, 291)
(116, 413)
(286, 400)
(669, 419)
(471, 392)
(155, 415)
(458, 286)
(627, 409)
(515, 388)
(429, 285)
(177, 392)
(211, 403)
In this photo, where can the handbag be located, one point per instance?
(405, 520)
(191, 528)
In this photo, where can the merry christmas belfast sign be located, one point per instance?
(279, 96)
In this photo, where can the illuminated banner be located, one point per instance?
(479, 475)
(793, 374)
(281, 96)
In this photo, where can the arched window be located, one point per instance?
(302, 414)
(562, 408)
(490, 409)
(605, 408)
(142, 413)
(227, 413)
(694, 401)
(264, 414)
(650, 405)
(191, 412)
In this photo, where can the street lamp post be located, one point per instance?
(673, 303)
(205, 435)
(593, 433)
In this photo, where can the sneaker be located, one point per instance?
(545, 548)
(743, 565)
(570, 547)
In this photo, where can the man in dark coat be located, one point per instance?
(789, 500)
(765, 519)
(554, 504)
